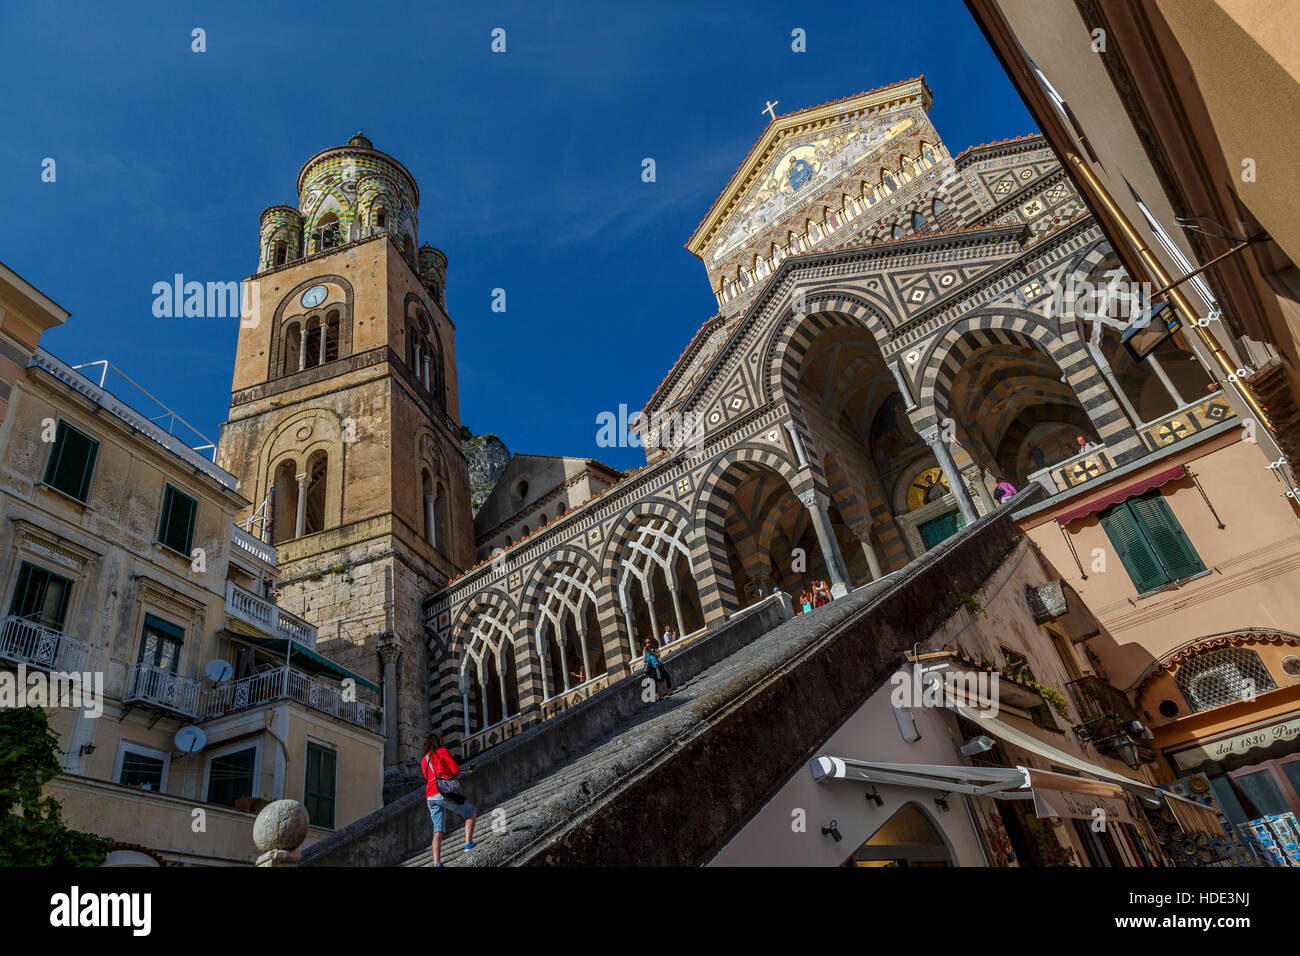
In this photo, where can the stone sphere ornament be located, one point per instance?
(279, 830)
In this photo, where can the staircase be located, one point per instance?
(623, 781)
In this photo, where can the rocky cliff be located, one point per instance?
(487, 456)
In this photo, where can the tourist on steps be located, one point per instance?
(1003, 490)
(654, 667)
(805, 601)
(442, 793)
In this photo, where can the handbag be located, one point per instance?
(448, 787)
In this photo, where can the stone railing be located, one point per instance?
(267, 616)
(106, 400)
(252, 544)
(1074, 471)
(1183, 423)
(147, 684)
(288, 683)
(27, 642)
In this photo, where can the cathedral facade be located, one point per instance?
(344, 422)
(890, 343)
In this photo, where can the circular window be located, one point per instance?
(1168, 709)
(1291, 666)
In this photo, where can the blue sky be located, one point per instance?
(529, 165)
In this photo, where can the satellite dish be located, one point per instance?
(218, 670)
(190, 739)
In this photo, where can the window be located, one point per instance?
(177, 527)
(326, 235)
(281, 254)
(1150, 542)
(1221, 676)
(142, 768)
(160, 644)
(40, 597)
(318, 792)
(72, 461)
(232, 776)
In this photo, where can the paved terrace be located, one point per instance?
(617, 781)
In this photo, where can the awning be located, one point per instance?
(1128, 491)
(1193, 817)
(297, 655)
(1061, 795)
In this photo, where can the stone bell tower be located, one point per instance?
(344, 425)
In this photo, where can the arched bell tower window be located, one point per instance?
(326, 234)
(314, 512)
(381, 219)
(281, 253)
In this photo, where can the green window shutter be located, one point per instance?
(1139, 559)
(176, 529)
(318, 794)
(72, 462)
(1166, 536)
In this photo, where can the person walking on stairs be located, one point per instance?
(654, 667)
(442, 792)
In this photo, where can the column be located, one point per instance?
(582, 646)
(302, 348)
(560, 641)
(816, 504)
(1164, 380)
(648, 590)
(798, 445)
(464, 704)
(543, 660)
(389, 650)
(429, 502)
(677, 600)
(321, 349)
(862, 530)
(501, 679)
(300, 524)
(950, 473)
(1104, 367)
(976, 476)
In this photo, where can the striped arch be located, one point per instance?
(718, 598)
(950, 353)
(791, 340)
(566, 581)
(483, 634)
(651, 545)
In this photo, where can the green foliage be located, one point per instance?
(465, 433)
(32, 832)
(1020, 673)
(969, 601)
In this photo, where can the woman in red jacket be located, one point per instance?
(438, 765)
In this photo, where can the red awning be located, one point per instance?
(1128, 491)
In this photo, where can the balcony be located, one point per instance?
(253, 545)
(267, 616)
(27, 642)
(161, 689)
(288, 683)
(1109, 722)
(1075, 470)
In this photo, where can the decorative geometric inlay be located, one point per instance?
(773, 435)
(1003, 187)
(444, 620)
(1032, 289)
(593, 535)
(916, 295)
(1026, 173)
(1057, 193)
(515, 579)
(683, 486)
(1171, 431)
(1085, 471)
(715, 417)
(737, 402)
(1217, 411)
(1032, 208)
(947, 279)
